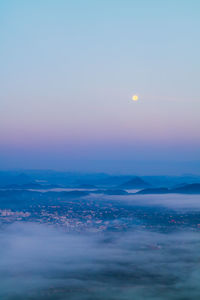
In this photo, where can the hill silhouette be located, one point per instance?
(193, 188)
(135, 183)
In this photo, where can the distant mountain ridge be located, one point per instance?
(8, 179)
(193, 188)
(31, 185)
(135, 183)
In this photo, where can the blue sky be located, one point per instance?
(69, 70)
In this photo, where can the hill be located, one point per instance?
(135, 183)
(193, 188)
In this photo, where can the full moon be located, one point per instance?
(135, 98)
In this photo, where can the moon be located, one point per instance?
(135, 98)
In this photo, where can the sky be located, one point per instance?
(69, 69)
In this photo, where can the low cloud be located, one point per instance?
(43, 262)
